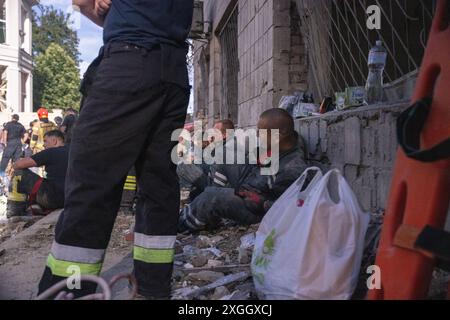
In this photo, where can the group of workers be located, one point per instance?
(38, 163)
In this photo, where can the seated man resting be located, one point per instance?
(197, 176)
(28, 187)
(241, 192)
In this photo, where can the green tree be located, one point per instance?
(52, 25)
(57, 78)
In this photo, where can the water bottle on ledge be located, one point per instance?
(377, 63)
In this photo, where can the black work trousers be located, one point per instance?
(13, 151)
(137, 99)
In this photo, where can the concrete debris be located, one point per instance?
(223, 269)
(226, 280)
(216, 239)
(244, 256)
(213, 266)
(214, 263)
(219, 293)
(248, 241)
(204, 276)
(237, 295)
(215, 252)
(203, 242)
(199, 261)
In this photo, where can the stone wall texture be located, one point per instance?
(361, 143)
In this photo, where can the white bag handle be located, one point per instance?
(302, 195)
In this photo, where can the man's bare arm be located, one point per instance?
(24, 163)
(4, 137)
(90, 9)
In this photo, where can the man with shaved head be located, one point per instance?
(241, 192)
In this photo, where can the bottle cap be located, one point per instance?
(379, 43)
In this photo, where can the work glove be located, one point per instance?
(253, 201)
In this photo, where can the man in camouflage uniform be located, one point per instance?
(240, 192)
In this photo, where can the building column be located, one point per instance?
(13, 8)
(14, 88)
(29, 101)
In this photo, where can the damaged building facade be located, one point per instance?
(16, 84)
(254, 52)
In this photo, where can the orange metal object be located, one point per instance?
(420, 192)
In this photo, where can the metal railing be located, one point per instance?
(228, 38)
(338, 39)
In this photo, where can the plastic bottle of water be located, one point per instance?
(377, 63)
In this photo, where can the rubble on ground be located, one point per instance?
(209, 265)
(215, 265)
(9, 228)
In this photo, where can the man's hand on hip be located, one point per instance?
(102, 7)
(94, 10)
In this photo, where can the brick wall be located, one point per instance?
(255, 50)
(272, 60)
(298, 63)
(360, 143)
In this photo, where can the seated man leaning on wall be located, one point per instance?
(244, 193)
(197, 176)
(28, 188)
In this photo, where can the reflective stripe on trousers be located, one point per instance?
(63, 260)
(154, 249)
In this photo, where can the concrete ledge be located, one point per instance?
(24, 259)
(361, 143)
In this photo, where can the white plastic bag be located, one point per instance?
(310, 243)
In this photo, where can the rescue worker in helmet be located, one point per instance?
(43, 126)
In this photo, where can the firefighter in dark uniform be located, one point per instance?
(41, 194)
(241, 192)
(136, 95)
(12, 138)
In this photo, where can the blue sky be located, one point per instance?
(90, 34)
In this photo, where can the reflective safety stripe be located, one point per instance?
(220, 183)
(221, 176)
(153, 255)
(197, 222)
(191, 220)
(77, 254)
(269, 182)
(154, 249)
(129, 186)
(14, 195)
(66, 269)
(154, 242)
